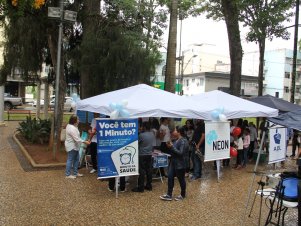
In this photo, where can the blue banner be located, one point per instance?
(117, 147)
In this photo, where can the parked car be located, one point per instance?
(11, 101)
(67, 104)
(34, 103)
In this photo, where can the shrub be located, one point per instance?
(35, 130)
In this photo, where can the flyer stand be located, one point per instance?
(160, 160)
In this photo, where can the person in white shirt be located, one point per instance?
(72, 145)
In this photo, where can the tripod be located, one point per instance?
(262, 184)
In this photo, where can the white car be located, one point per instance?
(67, 104)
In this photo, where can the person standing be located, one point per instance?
(253, 139)
(164, 134)
(93, 145)
(246, 144)
(295, 142)
(199, 140)
(146, 140)
(72, 145)
(177, 164)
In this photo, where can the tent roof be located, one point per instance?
(234, 107)
(290, 119)
(144, 101)
(277, 103)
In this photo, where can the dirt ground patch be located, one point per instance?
(41, 153)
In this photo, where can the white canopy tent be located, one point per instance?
(234, 107)
(144, 101)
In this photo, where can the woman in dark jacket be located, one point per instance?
(177, 165)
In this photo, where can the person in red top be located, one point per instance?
(246, 145)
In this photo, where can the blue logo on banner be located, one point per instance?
(211, 137)
(277, 137)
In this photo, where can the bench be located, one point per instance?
(10, 113)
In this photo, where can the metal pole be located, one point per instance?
(295, 53)
(57, 81)
(2, 105)
(182, 71)
(180, 58)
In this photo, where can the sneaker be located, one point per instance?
(70, 177)
(79, 175)
(166, 197)
(193, 178)
(93, 171)
(179, 198)
(111, 190)
(124, 190)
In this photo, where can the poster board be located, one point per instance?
(277, 145)
(217, 140)
(117, 147)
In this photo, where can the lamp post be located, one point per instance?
(59, 13)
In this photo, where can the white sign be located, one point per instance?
(217, 141)
(277, 149)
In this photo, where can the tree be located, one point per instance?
(265, 21)
(118, 47)
(229, 10)
(30, 38)
(171, 48)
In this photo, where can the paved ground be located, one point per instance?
(45, 197)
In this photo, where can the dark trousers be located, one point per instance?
(240, 157)
(112, 183)
(180, 174)
(251, 149)
(93, 150)
(295, 145)
(145, 169)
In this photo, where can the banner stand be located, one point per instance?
(218, 167)
(117, 179)
(254, 173)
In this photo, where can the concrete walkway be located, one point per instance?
(45, 197)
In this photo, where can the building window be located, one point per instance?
(287, 75)
(286, 89)
(201, 81)
(297, 90)
(193, 80)
(187, 82)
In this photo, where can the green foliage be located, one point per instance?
(265, 18)
(35, 130)
(25, 31)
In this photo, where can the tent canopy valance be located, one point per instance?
(233, 107)
(144, 101)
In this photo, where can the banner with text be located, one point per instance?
(217, 141)
(117, 147)
(277, 147)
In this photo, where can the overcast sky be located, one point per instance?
(202, 30)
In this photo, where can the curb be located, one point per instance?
(32, 162)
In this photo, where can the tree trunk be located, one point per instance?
(261, 66)
(231, 12)
(171, 49)
(91, 12)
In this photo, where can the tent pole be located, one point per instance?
(254, 174)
